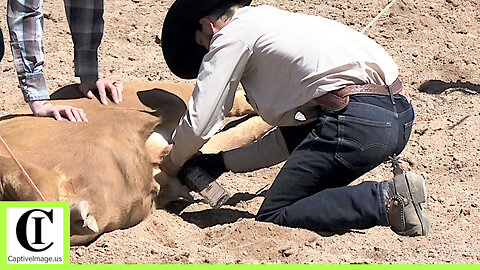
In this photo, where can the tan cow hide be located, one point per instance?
(104, 167)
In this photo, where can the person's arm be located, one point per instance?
(85, 19)
(25, 23)
(265, 152)
(212, 98)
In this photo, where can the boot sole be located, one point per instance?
(418, 193)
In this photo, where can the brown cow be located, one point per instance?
(106, 167)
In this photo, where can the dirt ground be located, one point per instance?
(436, 45)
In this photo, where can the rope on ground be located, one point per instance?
(378, 16)
(29, 180)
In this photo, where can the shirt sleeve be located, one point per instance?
(212, 98)
(25, 23)
(85, 18)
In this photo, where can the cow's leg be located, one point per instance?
(244, 133)
(241, 106)
(156, 143)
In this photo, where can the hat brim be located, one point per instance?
(180, 50)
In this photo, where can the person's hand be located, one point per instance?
(44, 108)
(166, 163)
(89, 83)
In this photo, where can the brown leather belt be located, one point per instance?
(338, 100)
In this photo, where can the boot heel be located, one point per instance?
(407, 218)
(417, 187)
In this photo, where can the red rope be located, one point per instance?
(29, 180)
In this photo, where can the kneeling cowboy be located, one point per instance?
(332, 92)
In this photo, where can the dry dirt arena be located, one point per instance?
(436, 44)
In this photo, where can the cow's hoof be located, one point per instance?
(81, 222)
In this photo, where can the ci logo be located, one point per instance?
(39, 245)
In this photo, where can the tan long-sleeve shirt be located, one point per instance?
(283, 60)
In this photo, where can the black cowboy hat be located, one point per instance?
(182, 54)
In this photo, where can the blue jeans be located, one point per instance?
(311, 189)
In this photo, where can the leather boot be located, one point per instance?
(403, 197)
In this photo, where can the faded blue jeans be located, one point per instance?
(311, 189)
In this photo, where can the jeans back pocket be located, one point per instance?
(362, 143)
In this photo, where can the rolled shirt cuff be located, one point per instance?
(186, 143)
(86, 63)
(33, 86)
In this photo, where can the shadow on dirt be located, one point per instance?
(207, 218)
(437, 87)
(211, 217)
(243, 197)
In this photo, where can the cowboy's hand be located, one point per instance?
(166, 163)
(90, 83)
(44, 108)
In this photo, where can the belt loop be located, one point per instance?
(392, 98)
